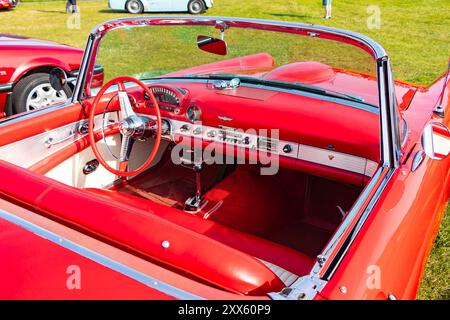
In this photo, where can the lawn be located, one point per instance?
(414, 33)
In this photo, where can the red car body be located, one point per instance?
(8, 4)
(21, 57)
(117, 240)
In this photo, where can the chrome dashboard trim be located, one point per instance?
(99, 258)
(298, 151)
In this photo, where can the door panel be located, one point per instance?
(45, 138)
(26, 125)
(70, 171)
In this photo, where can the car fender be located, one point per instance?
(38, 63)
(208, 3)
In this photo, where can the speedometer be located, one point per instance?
(164, 95)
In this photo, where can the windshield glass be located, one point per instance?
(267, 57)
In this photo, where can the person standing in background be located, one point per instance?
(327, 5)
(71, 6)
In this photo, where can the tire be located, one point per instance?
(134, 6)
(196, 7)
(34, 92)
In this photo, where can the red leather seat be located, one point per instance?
(221, 256)
(281, 256)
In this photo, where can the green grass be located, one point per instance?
(436, 280)
(414, 33)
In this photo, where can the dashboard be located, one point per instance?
(308, 131)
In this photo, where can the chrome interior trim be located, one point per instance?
(299, 151)
(99, 258)
(332, 159)
(29, 151)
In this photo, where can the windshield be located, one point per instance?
(271, 58)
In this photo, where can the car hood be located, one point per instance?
(7, 40)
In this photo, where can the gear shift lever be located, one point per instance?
(196, 203)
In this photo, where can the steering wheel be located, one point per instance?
(131, 126)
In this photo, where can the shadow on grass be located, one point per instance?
(111, 11)
(288, 15)
(53, 11)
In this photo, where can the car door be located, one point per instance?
(388, 256)
(162, 5)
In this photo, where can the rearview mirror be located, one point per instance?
(58, 79)
(212, 45)
(436, 141)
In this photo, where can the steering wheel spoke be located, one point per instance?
(126, 109)
(125, 149)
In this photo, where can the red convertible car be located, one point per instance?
(24, 72)
(225, 158)
(8, 4)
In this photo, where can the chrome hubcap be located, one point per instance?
(133, 6)
(195, 7)
(44, 95)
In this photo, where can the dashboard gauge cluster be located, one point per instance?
(168, 99)
(193, 113)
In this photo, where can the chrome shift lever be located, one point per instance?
(196, 203)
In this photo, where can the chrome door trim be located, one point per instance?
(100, 259)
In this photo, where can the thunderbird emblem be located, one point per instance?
(224, 118)
(331, 157)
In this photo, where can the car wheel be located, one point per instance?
(196, 7)
(134, 6)
(34, 92)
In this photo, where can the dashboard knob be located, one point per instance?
(165, 127)
(246, 140)
(211, 134)
(198, 130)
(184, 128)
(287, 148)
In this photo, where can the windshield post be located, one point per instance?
(389, 116)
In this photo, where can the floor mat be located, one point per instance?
(170, 184)
(172, 193)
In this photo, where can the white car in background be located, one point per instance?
(139, 6)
